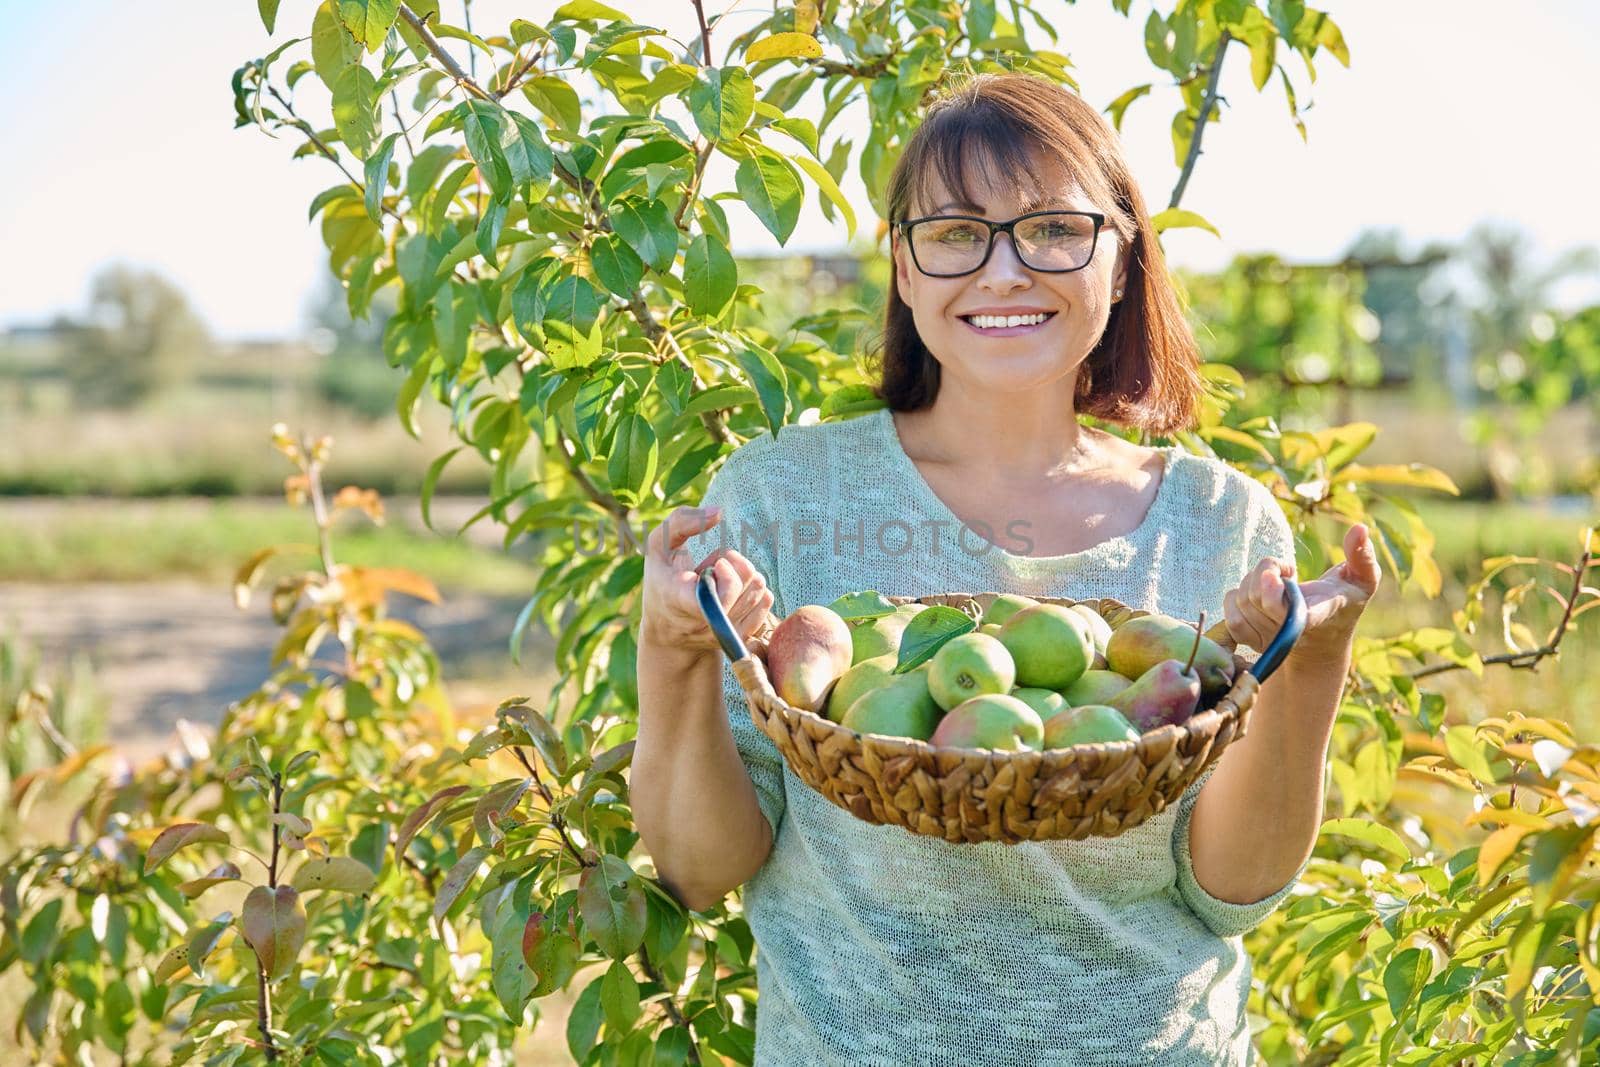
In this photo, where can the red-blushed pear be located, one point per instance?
(901, 708)
(1139, 644)
(1166, 694)
(1050, 645)
(993, 720)
(1095, 687)
(1088, 724)
(806, 654)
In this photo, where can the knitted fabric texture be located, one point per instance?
(876, 946)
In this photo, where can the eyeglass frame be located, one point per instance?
(1008, 227)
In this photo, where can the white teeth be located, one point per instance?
(989, 322)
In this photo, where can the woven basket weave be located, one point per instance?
(966, 794)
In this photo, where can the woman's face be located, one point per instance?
(1076, 304)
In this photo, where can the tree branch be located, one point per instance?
(431, 43)
(1200, 123)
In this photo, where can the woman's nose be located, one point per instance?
(1005, 270)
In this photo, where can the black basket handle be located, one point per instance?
(711, 608)
(1294, 624)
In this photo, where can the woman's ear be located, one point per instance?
(902, 266)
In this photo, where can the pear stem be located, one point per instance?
(1199, 631)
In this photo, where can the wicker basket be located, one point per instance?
(967, 794)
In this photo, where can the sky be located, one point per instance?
(117, 123)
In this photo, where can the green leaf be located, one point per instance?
(377, 172)
(862, 606)
(619, 997)
(770, 188)
(510, 975)
(202, 941)
(1360, 829)
(631, 466)
(784, 46)
(1469, 752)
(648, 228)
(616, 264)
(1119, 106)
(848, 401)
(482, 122)
(464, 871)
(1174, 218)
(368, 20)
(269, 13)
(829, 188)
(583, 10)
(487, 236)
(528, 156)
(709, 277)
(430, 481)
(332, 50)
(178, 836)
(1405, 975)
(355, 109)
(550, 952)
(613, 906)
(767, 378)
(722, 101)
(557, 100)
(583, 1021)
(344, 874)
(274, 925)
(927, 632)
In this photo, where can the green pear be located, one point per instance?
(1088, 724)
(1046, 702)
(1004, 606)
(1050, 645)
(859, 680)
(1095, 687)
(993, 720)
(969, 665)
(807, 653)
(1139, 644)
(990, 628)
(1099, 632)
(903, 707)
(878, 637)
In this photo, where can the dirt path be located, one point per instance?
(167, 650)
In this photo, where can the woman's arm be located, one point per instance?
(693, 801)
(1256, 819)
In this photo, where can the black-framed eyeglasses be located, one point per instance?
(1055, 242)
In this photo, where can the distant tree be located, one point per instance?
(353, 374)
(1402, 289)
(140, 336)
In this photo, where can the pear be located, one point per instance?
(1095, 687)
(1139, 644)
(1050, 645)
(1099, 630)
(807, 653)
(903, 707)
(860, 679)
(1004, 606)
(1166, 694)
(878, 637)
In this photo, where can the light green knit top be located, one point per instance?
(876, 946)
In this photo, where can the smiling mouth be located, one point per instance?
(1005, 325)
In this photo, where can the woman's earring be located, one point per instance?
(1117, 293)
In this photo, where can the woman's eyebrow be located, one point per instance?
(1036, 205)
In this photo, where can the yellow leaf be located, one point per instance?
(1417, 475)
(343, 873)
(180, 835)
(1176, 218)
(1496, 848)
(784, 46)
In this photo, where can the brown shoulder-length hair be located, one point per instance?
(1144, 371)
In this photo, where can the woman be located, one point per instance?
(876, 946)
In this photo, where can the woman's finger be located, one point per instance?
(681, 524)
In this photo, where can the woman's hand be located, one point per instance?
(670, 615)
(1255, 610)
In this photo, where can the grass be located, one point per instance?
(207, 540)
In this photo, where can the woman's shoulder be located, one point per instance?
(801, 448)
(1215, 483)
